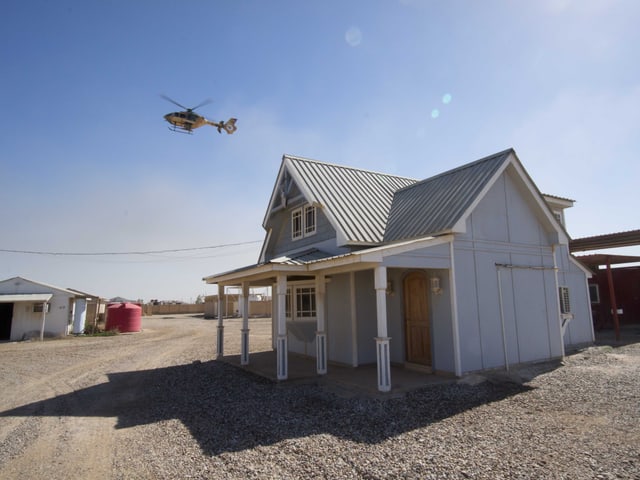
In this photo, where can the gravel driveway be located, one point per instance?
(154, 405)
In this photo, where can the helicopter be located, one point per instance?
(187, 120)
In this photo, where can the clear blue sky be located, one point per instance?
(400, 86)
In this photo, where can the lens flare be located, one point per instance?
(446, 98)
(353, 36)
(435, 113)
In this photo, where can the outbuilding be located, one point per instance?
(33, 309)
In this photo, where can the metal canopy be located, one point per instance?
(597, 259)
(25, 297)
(610, 240)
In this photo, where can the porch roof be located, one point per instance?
(310, 262)
(25, 297)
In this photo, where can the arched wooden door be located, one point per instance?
(416, 319)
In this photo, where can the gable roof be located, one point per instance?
(356, 202)
(436, 204)
(369, 208)
(46, 285)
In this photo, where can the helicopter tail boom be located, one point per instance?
(229, 126)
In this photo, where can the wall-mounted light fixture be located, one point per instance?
(435, 286)
(390, 290)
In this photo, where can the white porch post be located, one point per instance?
(44, 316)
(321, 335)
(244, 352)
(220, 344)
(281, 342)
(382, 340)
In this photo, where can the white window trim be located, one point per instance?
(292, 297)
(305, 230)
(565, 300)
(297, 234)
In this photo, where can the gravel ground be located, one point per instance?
(154, 405)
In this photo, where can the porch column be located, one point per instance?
(244, 352)
(321, 335)
(382, 340)
(44, 316)
(220, 344)
(281, 342)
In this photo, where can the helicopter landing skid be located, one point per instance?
(180, 130)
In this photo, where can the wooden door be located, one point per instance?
(416, 319)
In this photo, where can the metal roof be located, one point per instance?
(610, 240)
(436, 204)
(25, 297)
(303, 257)
(597, 259)
(357, 201)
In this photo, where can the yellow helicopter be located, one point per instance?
(186, 121)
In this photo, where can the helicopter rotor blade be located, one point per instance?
(202, 104)
(174, 102)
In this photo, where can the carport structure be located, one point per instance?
(594, 261)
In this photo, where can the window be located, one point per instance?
(301, 301)
(594, 293)
(40, 307)
(309, 220)
(558, 216)
(305, 302)
(296, 224)
(303, 222)
(565, 305)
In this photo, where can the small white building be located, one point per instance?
(29, 308)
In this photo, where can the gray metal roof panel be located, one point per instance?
(358, 200)
(435, 205)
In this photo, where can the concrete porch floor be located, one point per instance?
(342, 379)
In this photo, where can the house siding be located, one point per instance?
(579, 331)
(339, 326)
(282, 243)
(505, 229)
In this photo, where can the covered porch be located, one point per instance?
(361, 286)
(346, 380)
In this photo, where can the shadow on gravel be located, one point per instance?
(229, 410)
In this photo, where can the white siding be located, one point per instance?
(505, 229)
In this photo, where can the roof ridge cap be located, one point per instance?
(458, 169)
(346, 167)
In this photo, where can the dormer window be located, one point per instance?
(303, 222)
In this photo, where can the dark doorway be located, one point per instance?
(6, 316)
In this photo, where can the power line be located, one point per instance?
(147, 252)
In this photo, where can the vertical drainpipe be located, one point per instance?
(457, 364)
(555, 273)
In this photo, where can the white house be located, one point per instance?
(464, 271)
(30, 308)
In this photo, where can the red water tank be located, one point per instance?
(125, 317)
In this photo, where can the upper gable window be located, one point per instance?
(303, 222)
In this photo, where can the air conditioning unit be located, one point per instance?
(40, 307)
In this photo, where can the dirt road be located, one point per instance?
(154, 405)
(61, 399)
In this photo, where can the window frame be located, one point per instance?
(564, 299)
(294, 310)
(596, 289)
(303, 222)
